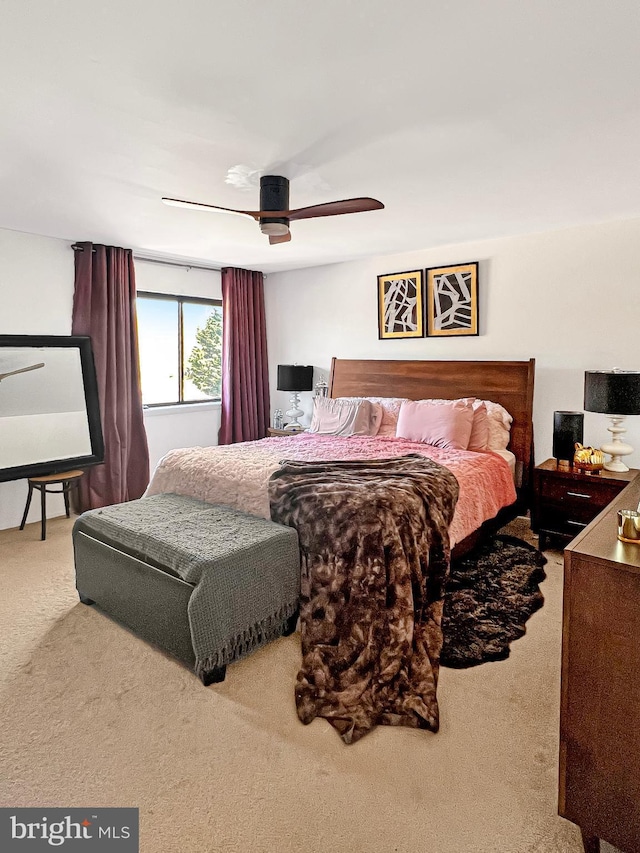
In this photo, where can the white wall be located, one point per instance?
(569, 298)
(36, 297)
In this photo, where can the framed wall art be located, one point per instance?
(400, 306)
(452, 300)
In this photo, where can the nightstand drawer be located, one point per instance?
(568, 527)
(567, 519)
(585, 492)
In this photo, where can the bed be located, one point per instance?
(376, 521)
(237, 475)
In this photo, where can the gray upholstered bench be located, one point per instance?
(206, 583)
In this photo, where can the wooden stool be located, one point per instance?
(68, 480)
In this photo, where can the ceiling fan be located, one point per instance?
(274, 215)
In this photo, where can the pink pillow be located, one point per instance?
(479, 438)
(480, 430)
(498, 425)
(443, 424)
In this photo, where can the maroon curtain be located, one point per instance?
(104, 307)
(245, 374)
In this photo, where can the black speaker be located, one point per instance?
(568, 428)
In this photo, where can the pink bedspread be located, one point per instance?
(237, 474)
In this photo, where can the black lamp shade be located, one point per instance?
(612, 392)
(295, 377)
(568, 428)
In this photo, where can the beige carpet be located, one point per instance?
(92, 716)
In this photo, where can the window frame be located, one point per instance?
(194, 300)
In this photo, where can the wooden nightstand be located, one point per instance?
(566, 500)
(271, 431)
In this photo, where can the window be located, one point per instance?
(180, 342)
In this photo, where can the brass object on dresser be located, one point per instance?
(629, 526)
(600, 708)
(566, 500)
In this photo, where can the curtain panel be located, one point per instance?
(104, 308)
(245, 372)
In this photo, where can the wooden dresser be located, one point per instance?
(600, 712)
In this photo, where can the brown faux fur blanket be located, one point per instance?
(375, 554)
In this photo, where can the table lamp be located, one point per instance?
(295, 377)
(615, 393)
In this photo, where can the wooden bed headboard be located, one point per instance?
(509, 383)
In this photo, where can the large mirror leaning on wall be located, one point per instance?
(49, 409)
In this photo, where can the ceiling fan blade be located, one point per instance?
(336, 208)
(214, 208)
(21, 370)
(284, 238)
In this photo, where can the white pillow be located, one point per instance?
(344, 417)
(390, 410)
(499, 425)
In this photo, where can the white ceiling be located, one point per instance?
(469, 120)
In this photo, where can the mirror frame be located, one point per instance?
(91, 399)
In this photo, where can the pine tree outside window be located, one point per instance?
(180, 342)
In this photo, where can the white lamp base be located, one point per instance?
(294, 413)
(617, 448)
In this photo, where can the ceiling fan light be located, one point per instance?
(274, 229)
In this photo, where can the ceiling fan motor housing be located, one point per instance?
(274, 195)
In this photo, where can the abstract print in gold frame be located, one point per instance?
(400, 307)
(452, 300)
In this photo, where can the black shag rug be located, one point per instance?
(489, 597)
